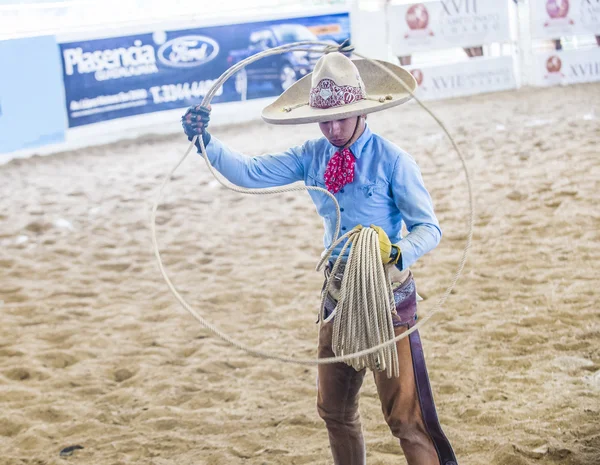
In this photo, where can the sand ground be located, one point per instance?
(94, 350)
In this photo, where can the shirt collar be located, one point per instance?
(357, 147)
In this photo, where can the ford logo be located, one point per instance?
(188, 51)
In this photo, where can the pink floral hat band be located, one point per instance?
(327, 94)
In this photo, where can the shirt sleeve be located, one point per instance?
(416, 208)
(256, 172)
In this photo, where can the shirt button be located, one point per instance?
(370, 195)
(341, 209)
(343, 228)
(342, 191)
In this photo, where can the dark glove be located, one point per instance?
(195, 121)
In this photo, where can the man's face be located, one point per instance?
(340, 131)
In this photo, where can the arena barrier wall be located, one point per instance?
(563, 67)
(31, 94)
(464, 78)
(551, 19)
(134, 82)
(108, 85)
(431, 25)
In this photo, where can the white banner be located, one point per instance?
(474, 76)
(551, 19)
(430, 25)
(567, 67)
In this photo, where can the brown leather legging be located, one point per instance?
(406, 401)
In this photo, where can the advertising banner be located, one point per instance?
(567, 67)
(430, 25)
(470, 77)
(32, 111)
(131, 75)
(551, 19)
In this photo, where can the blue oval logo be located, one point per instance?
(188, 51)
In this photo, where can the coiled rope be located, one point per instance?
(364, 309)
(378, 356)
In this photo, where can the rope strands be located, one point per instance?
(364, 310)
(363, 332)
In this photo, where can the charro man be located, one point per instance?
(375, 183)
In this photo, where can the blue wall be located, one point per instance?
(32, 109)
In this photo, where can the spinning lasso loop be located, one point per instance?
(327, 48)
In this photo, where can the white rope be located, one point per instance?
(364, 309)
(357, 352)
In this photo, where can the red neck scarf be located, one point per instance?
(340, 170)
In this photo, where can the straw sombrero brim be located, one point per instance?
(379, 84)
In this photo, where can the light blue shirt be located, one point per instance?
(387, 190)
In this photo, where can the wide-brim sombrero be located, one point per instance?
(382, 89)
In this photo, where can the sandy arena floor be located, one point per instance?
(94, 350)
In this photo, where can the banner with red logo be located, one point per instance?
(567, 67)
(464, 78)
(430, 25)
(551, 19)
